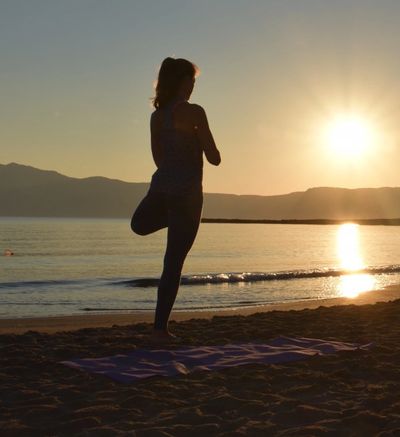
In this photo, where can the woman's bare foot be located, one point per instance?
(161, 336)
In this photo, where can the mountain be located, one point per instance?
(30, 192)
(27, 191)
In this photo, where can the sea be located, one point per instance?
(64, 266)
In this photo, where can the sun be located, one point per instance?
(349, 135)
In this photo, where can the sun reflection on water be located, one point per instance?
(349, 254)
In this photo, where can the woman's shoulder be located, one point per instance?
(195, 107)
(193, 110)
(184, 105)
(155, 114)
(156, 117)
(187, 113)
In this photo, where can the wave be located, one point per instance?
(46, 283)
(231, 278)
(23, 284)
(201, 279)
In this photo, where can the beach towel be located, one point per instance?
(144, 363)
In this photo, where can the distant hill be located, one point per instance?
(30, 192)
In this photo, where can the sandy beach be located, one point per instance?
(348, 394)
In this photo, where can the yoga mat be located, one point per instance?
(145, 363)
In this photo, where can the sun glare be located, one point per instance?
(348, 249)
(349, 135)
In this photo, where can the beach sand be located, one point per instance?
(349, 394)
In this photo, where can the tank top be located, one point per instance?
(181, 169)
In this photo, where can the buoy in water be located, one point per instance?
(8, 252)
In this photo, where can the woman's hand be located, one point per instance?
(205, 136)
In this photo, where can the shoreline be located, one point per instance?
(53, 324)
(363, 222)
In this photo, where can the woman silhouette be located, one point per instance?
(179, 136)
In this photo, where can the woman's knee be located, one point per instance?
(137, 226)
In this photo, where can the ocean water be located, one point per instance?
(74, 266)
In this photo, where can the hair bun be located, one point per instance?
(168, 61)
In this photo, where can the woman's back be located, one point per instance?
(181, 157)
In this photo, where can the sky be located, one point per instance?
(77, 77)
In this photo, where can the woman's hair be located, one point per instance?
(170, 76)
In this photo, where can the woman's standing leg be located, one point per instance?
(184, 213)
(151, 214)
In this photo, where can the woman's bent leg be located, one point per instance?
(184, 215)
(150, 215)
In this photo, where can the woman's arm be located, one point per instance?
(205, 136)
(156, 148)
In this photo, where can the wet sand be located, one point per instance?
(349, 394)
(108, 319)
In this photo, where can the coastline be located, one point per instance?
(363, 222)
(53, 324)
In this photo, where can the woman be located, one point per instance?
(179, 136)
